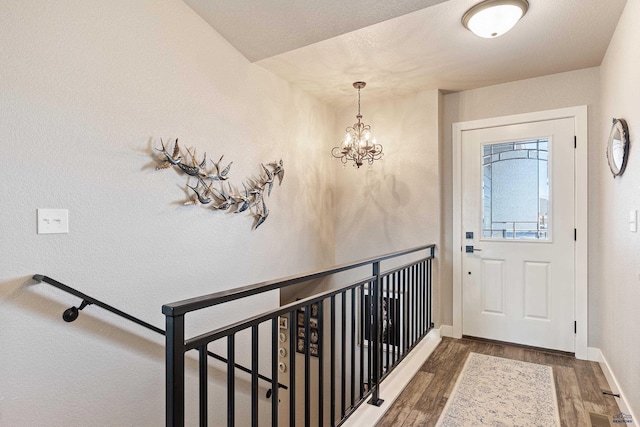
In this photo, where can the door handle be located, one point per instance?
(471, 249)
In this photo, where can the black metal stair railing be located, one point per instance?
(72, 314)
(342, 343)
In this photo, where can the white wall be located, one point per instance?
(616, 287)
(395, 204)
(87, 90)
(543, 93)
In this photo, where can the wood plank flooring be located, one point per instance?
(579, 383)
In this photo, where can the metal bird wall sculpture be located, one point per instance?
(171, 160)
(210, 187)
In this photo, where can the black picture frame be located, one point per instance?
(314, 339)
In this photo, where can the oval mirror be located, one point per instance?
(618, 147)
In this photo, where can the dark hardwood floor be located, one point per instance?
(579, 383)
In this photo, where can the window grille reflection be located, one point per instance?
(515, 190)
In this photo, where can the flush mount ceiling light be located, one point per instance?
(358, 146)
(493, 18)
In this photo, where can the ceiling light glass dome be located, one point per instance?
(492, 18)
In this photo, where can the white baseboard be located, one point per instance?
(395, 383)
(593, 354)
(446, 331)
(596, 355)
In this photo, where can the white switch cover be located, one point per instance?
(633, 220)
(53, 221)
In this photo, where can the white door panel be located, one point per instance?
(518, 201)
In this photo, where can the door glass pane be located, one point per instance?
(515, 190)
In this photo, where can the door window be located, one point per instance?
(515, 190)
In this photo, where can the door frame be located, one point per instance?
(579, 115)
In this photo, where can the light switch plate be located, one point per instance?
(53, 221)
(633, 221)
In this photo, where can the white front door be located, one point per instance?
(518, 233)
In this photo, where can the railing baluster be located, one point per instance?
(369, 325)
(411, 297)
(204, 382)
(353, 346)
(343, 354)
(429, 290)
(231, 380)
(396, 315)
(320, 363)
(361, 317)
(387, 320)
(275, 343)
(418, 306)
(414, 316)
(416, 332)
(410, 312)
(415, 305)
(333, 361)
(425, 325)
(424, 298)
(307, 368)
(254, 375)
(405, 311)
(407, 280)
(293, 342)
(422, 306)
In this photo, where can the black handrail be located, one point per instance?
(72, 313)
(185, 306)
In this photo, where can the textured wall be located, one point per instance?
(542, 93)
(393, 205)
(617, 285)
(87, 91)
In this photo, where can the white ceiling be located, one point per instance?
(402, 46)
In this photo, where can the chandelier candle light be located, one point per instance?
(358, 145)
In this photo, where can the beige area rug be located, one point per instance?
(493, 391)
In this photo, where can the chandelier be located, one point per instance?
(358, 145)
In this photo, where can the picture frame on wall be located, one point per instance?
(314, 338)
(283, 322)
(313, 350)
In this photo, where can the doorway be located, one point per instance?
(519, 203)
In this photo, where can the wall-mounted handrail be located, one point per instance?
(72, 313)
(92, 301)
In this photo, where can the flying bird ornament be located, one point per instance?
(213, 187)
(171, 160)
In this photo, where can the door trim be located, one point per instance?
(579, 115)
